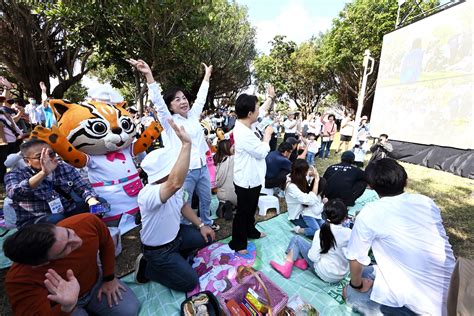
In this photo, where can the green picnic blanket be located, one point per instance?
(325, 297)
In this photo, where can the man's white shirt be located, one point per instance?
(413, 254)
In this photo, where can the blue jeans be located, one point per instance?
(361, 302)
(89, 304)
(310, 158)
(300, 247)
(169, 265)
(199, 180)
(312, 225)
(325, 149)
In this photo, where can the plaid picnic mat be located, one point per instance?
(325, 297)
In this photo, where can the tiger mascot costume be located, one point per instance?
(99, 135)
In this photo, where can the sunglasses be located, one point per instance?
(51, 154)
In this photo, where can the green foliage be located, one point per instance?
(295, 71)
(76, 93)
(173, 37)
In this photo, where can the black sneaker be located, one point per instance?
(215, 227)
(140, 268)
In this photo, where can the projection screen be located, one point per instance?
(424, 90)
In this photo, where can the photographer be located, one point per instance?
(381, 148)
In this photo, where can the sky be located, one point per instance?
(299, 20)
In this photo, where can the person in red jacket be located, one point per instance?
(45, 256)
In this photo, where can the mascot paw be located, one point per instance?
(51, 136)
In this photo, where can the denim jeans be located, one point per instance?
(361, 302)
(89, 304)
(169, 266)
(312, 225)
(300, 247)
(199, 180)
(310, 158)
(325, 149)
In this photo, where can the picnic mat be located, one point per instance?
(326, 298)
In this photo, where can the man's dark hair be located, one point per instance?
(170, 94)
(386, 176)
(384, 135)
(30, 244)
(285, 147)
(30, 143)
(244, 104)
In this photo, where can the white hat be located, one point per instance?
(158, 163)
(106, 94)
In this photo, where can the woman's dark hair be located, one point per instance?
(170, 94)
(299, 169)
(333, 116)
(244, 104)
(335, 211)
(30, 244)
(386, 176)
(223, 150)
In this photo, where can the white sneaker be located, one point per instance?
(296, 229)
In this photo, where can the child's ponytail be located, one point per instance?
(335, 212)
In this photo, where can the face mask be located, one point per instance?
(33, 102)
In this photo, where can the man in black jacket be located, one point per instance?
(344, 180)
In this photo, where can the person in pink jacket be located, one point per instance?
(327, 134)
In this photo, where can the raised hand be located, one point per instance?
(63, 292)
(140, 65)
(48, 164)
(180, 132)
(4, 82)
(43, 87)
(271, 91)
(207, 71)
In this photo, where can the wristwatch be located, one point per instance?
(201, 225)
(356, 287)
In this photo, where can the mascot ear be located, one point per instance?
(60, 107)
(121, 104)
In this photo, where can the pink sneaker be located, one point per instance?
(301, 264)
(284, 270)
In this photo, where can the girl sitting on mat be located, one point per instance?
(326, 254)
(304, 201)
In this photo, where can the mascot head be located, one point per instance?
(95, 127)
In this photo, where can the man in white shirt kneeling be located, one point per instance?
(406, 234)
(165, 243)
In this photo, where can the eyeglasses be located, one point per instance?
(51, 154)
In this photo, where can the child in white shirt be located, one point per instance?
(326, 255)
(313, 148)
(359, 154)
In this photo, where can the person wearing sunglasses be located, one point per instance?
(42, 191)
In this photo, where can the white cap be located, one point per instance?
(158, 163)
(106, 94)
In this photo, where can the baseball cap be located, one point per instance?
(348, 156)
(292, 140)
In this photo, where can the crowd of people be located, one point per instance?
(400, 267)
